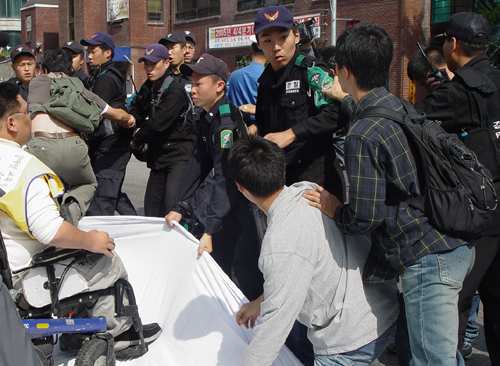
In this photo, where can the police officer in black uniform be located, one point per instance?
(217, 204)
(109, 148)
(175, 42)
(164, 113)
(288, 111)
(469, 105)
(24, 65)
(78, 55)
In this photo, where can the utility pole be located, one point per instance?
(333, 9)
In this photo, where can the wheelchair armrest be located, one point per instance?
(55, 255)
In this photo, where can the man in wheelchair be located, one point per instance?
(30, 223)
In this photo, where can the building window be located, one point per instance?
(253, 4)
(441, 11)
(11, 8)
(155, 11)
(71, 19)
(193, 9)
(28, 28)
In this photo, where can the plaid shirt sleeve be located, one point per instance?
(366, 210)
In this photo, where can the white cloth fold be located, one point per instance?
(192, 299)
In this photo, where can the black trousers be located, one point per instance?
(162, 188)
(109, 164)
(236, 250)
(484, 277)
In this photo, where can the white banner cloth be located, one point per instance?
(193, 300)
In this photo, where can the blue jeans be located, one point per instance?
(362, 356)
(472, 330)
(430, 289)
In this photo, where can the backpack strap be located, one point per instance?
(382, 112)
(399, 118)
(164, 86)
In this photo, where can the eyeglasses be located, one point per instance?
(25, 112)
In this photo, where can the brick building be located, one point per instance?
(222, 28)
(39, 24)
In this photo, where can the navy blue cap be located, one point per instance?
(73, 46)
(19, 50)
(174, 37)
(468, 27)
(190, 35)
(154, 53)
(273, 16)
(207, 65)
(99, 38)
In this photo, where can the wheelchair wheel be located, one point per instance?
(93, 353)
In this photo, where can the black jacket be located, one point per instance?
(289, 103)
(83, 77)
(458, 104)
(218, 196)
(109, 84)
(181, 79)
(23, 89)
(170, 137)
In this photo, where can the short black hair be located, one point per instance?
(328, 56)
(8, 99)
(258, 165)
(57, 60)
(256, 50)
(472, 49)
(418, 66)
(366, 51)
(104, 47)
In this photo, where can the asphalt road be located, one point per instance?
(135, 186)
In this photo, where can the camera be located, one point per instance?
(306, 31)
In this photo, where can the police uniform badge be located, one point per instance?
(226, 139)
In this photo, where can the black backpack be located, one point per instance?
(457, 190)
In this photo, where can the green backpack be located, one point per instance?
(70, 105)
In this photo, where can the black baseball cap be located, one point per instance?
(207, 65)
(174, 37)
(273, 16)
(155, 52)
(468, 27)
(190, 35)
(99, 38)
(19, 50)
(73, 46)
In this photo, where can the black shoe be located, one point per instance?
(131, 338)
(72, 341)
(466, 350)
(71, 212)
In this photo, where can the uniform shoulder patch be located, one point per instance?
(226, 139)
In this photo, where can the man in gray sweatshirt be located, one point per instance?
(312, 272)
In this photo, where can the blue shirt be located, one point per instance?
(243, 84)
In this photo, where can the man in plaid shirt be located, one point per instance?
(382, 174)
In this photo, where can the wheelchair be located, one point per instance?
(48, 319)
